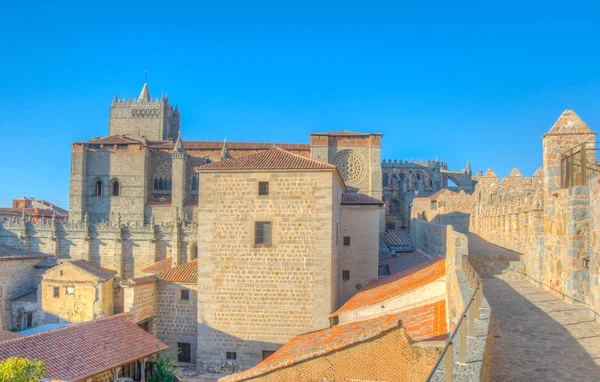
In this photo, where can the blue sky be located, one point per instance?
(478, 81)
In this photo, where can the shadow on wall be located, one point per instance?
(460, 221)
(490, 259)
(529, 340)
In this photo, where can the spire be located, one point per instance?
(468, 168)
(115, 99)
(145, 94)
(178, 150)
(569, 122)
(224, 151)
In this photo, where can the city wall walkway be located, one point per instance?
(534, 335)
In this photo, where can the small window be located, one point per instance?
(70, 290)
(195, 183)
(267, 353)
(263, 188)
(29, 320)
(262, 234)
(56, 292)
(61, 273)
(184, 352)
(185, 294)
(231, 355)
(390, 225)
(345, 275)
(346, 241)
(122, 147)
(98, 188)
(385, 180)
(116, 188)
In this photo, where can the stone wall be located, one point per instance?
(257, 297)
(176, 319)
(141, 300)
(361, 225)
(388, 357)
(17, 277)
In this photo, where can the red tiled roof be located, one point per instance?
(8, 252)
(100, 272)
(274, 159)
(115, 140)
(216, 145)
(184, 273)
(350, 198)
(398, 237)
(31, 211)
(395, 284)
(309, 345)
(159, 265)
(426, 322)
(79, 351)
(5, 335)
(138, 280)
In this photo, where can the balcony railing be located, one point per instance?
(580, 164)
(464, 327)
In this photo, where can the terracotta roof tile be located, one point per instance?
(115, 140)
(8, 252)
(350, 198)
(159, 265)
(426, 322)
(395, 284)
(184, 273)
(82, 350)
(321, 342)
(398, 237)
(273, 159)
(138, 280)
(5, 335)
(100, 272)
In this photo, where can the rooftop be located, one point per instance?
(402, 261)
(314, 344)
(184, 273)
(398, 237)
(159, 265)
(349, 198)
(5, 335)
(273, 159)
(8, 252)
(100, 272)
(380, 290)
(216, 145)
(79, 351)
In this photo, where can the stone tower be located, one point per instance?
(156, 120)
(356, 155)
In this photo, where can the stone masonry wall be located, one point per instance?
(256, 297)
(16, 278)
(176, 319)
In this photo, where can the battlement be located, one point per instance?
(414, 163)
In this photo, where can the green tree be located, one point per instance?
(164, 368)
(21, 370)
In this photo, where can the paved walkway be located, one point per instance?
(536, 336)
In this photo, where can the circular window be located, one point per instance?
(351, 166)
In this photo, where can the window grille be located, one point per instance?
(263, 188)
(262, 233)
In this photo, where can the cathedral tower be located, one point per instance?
(156, 120)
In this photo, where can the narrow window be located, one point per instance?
(266, 354)
(263, 188)
(345, 275)
(184, 352)
(385, 180)
(115, 188)
(346, 241)
(70, 290)
(29, 320)
(230, 355)
(98, 188)
(56, 292)
(195, 183)
(185, 294)
(262, 233)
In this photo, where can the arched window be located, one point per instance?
(195, 183)
(115, 188)
(98, 187)
(162, 179)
